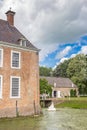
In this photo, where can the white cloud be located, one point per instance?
(73, 55)
(63, 59)
(55, 66)
(47, 23)
(46, 50)
(84, 50)
(63, 53)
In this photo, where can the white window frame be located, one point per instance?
(1, 86)
(23, 43)
(19, 59)
(11, 87)
(1, 65)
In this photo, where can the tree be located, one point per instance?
(75, 69)
(61, 69)
(44, 71)
(77, 72)
(45, 87)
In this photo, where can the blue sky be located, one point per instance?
(64, 52)
(57, 27)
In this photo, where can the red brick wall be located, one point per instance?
(28, 102)
(10, 18)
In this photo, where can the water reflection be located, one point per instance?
(62, 119)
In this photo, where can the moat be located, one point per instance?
(62, 119)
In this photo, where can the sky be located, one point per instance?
(57, 27)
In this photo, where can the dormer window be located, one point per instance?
(22, 42)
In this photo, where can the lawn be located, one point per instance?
(79, 103)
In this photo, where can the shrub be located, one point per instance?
(72, 93)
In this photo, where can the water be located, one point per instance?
(62, 119)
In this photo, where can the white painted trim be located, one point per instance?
(11, 86)
(23, 43)
(1, 85)
(58, 94)
(12, 45)
(1, 57)
(12, 51)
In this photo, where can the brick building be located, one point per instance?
(19, 71)
(61, 86)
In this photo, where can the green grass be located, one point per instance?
(79, 103)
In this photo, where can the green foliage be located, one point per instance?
(75, 69)
(61, 69)
(72, 93)
(77, 72)
(45, 87)
(76, 65)
(44, 71)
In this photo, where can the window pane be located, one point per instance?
(15, 87)
(15, 59)
(24, 43)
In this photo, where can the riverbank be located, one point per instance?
(78, 103)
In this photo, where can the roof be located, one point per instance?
(11, 34)
(60, 82)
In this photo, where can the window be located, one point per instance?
(24, 43)
(1, 57)
(15, 87)
(0, 86)
(15, 59)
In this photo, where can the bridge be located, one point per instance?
(47, 102)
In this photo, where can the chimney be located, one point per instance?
(10, 17)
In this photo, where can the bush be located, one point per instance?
(72, 93)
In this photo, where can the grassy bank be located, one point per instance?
(79, 103)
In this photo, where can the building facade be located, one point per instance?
(61, 86)
(19, 71)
